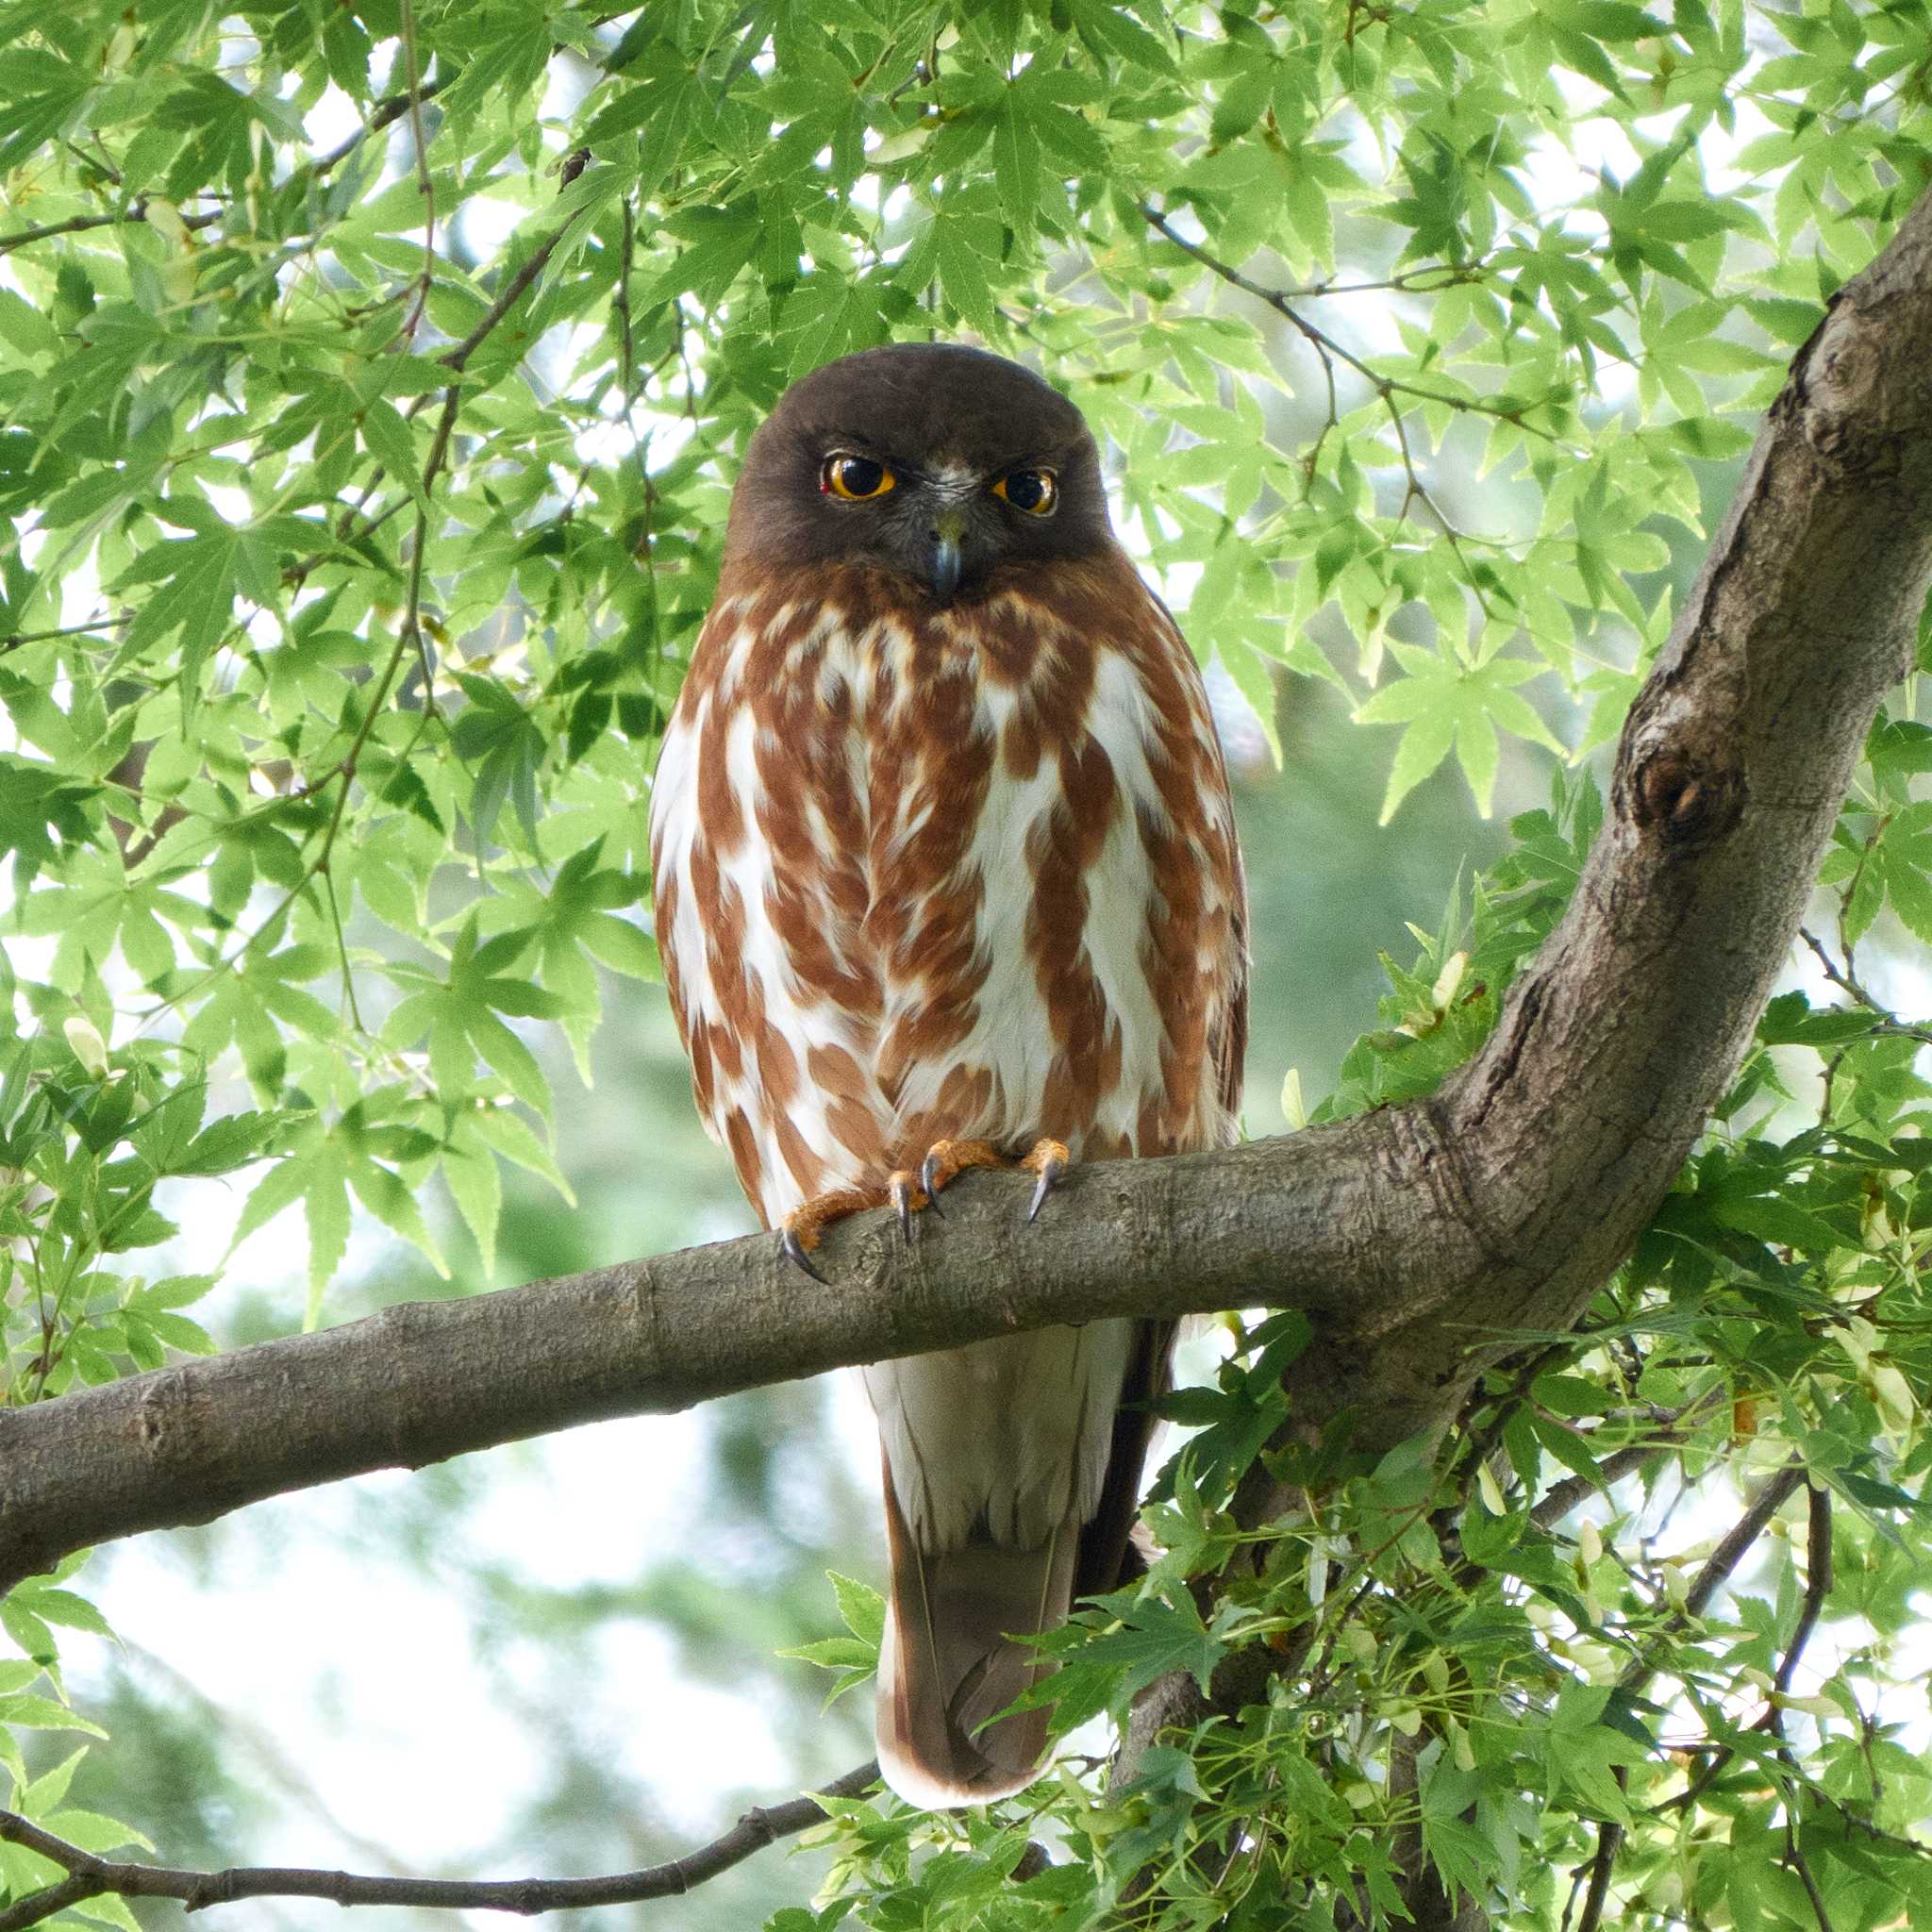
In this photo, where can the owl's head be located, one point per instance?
(929, 459)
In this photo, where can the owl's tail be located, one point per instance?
(949, 1662)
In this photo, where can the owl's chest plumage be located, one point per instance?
(932, 872)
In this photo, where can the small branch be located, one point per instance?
(1732, 1550)
(1324, 345)
(1847, 983)
(15, 638)
(136, 211)
(43, 1904)
(1836, 975)
(89, 1877)
(1817, 1588)
(1717, 1569)
(1563, 1497)
(426, 185)
(458, 357)
(380, 116)
(1405, 282)
(1795, 1861)
(1609, 1838)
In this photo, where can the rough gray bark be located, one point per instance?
(1408, 1236)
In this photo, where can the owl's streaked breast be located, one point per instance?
(920, 866)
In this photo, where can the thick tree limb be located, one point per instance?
(1413, 1238)
(89, 1877)
(1540, 1162)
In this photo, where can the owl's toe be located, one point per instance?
(798, 1233)
(947, 1160)
(929, 1181)
(1048, 1159)
(791, 1248)
(906, 1194)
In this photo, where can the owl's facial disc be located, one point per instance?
(944, 465)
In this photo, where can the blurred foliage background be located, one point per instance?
(373, 379)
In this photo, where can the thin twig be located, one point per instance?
(1563, 1497)
(1609, 1836)
(136, 211)
(1794, 1860)
(1817, 1586)
(1326, 344)
(89, 1877)
(380, 116)
(426, 185)
(1848, 983)
(16, 638)
(1735, 1546)
(458, 357)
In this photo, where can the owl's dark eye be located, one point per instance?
(856, 478)
(1033, 491)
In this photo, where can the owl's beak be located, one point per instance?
(948, 530)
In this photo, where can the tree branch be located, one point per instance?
(420, 1382)
(380, 117)
(89, 1877)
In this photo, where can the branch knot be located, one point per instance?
(1685, 803)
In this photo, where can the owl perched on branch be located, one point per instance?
(946, 877)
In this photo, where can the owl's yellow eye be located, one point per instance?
(1036, 492)
(856, 478)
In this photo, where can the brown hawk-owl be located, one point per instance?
(947, 876)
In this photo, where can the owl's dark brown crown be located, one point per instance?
(958, 440)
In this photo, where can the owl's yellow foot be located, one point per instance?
(798, 1233)
(907, 1192)
(947, 1160)
(1046, 1159)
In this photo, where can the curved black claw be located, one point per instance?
(793, 1249)
(928, 1181)
(1050, 1170)
(901, 1192)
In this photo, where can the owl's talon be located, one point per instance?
(930, 1183)
(1048, 1159)
(794, 1250)
(1050, 1171)
(900, 1193)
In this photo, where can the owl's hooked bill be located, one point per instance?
(948, 558)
